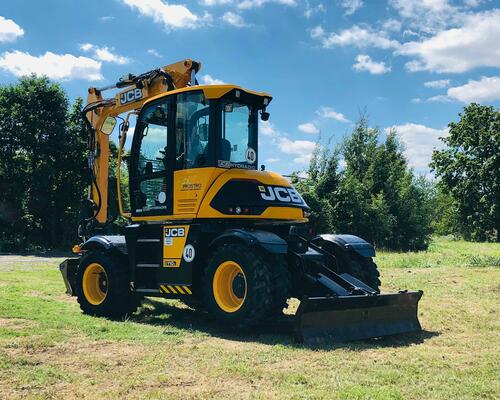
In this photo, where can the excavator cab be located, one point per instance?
(194, 134)
(179, 133)
(209, 228)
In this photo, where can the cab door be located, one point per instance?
(153, 161)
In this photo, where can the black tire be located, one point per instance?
(119, 299)
(362, 268)
(191, 302)
(258, 303)
(282, 282)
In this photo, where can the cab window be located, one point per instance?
(192, 130)
(238, 130)
(153, 150)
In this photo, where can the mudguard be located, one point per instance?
(107, 242)
(348, 243)
(268, 241)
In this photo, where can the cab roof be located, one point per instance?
(210, 91)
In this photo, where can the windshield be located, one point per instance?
(238, 147)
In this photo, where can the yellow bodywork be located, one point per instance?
(194, 189)
(174, 240)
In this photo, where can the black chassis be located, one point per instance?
(142, 245)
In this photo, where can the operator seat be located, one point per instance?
(225, 150)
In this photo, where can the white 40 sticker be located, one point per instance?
(188, 253)
(251, 155)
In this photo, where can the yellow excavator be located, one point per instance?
(209, 227)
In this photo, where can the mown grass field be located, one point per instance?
(48, 349)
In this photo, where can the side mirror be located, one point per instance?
(264, 116)
(108, 125)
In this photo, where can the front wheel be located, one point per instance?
(238, 286)
(103, 286)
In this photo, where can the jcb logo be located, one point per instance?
(285, 195)
(131, 96)
(175, 232)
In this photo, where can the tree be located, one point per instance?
(42, 151)
(375, 195)
(469, 170)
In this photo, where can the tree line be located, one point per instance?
(362, 186)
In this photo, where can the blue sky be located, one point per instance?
(413, 64)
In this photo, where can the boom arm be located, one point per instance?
(138, 89)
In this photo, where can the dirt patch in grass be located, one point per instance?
(16, 323)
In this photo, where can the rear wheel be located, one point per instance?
(103, 286)
(238, 286)
(362, 268)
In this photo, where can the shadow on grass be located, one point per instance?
(279, 331)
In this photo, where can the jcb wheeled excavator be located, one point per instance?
(208, 227)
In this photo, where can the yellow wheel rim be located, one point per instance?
(95, 284)
(229, 286)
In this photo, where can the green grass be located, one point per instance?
(48, 349)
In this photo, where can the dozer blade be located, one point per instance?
(346, 318)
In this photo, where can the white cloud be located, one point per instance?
(441, 98)
(355, 36)
(86, 47)
(172, 16)
(351, 6)
(365, 63)
(211, 3)
(485, 89)
(427, 15)
(408, 8)
(419, 141)
(475, 44)
(392, 25)
(9, 30)
(439, 84)
(106, 18)
(267, 128)
(308, 127)
(55, 66)
(105, 54)
(247, 4)
(301, 149)
(272, 160)
(233, 19)
(154, 52)
(330, 113)
(209, 80)
(311, 10)
(317, 32)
